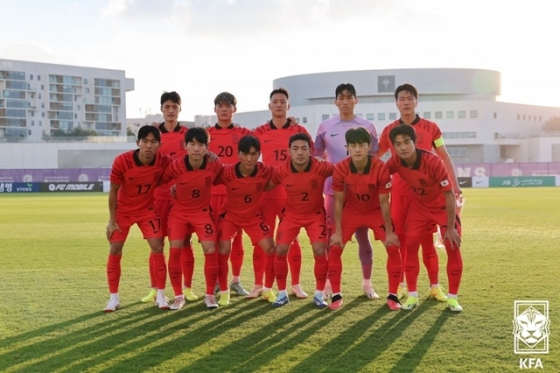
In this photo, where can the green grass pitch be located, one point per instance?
(52, 278)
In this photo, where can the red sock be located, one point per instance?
(223, 269)
(394, 268)
(335, 268)
(402, 250)
(237, 254)
(454, 267)
(151, 269)
(259, 264)
(320, 270)
(269, 270)
(114, 272)
(294, 261)
(430, 257)
(210, 271)
(187, 259)
(281, 271)
(412, 264)
(174, 269)
(160, 270)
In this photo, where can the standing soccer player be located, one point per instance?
(193, 176)
(361, 185)
(173, 144)
(134, 177)
(433, 204)
(428, 137)
(225, 137)
(274, 135)
(330, 143)
(245, 183)
(304, 179)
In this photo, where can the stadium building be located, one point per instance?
(39, 99)
(477, 128)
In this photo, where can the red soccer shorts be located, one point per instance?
(400, 207)
(421, 221)
(256, 228)
(290, 225)
(149, 223)
(183, 223)
(351, 221)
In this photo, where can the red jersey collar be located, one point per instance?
(217, 126)
(273, 126)
(306, 168)
(416, 165)
(240, 175)
(137, 160)
(162, 128)
(190, 168)
(415, 121)
(366, 170)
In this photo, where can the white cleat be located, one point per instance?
(113, 304)
(298, 292)
(370, 293)
(178, 303)
(210, 301)
(161, 302)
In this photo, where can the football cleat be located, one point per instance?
(238, 288)
(269, 296)
(410, 303)
(336, 302)
(453, 305)
(281, 300)
(189, 295)
(369, 292)
(402, 291)
(178, 303)
(162, 302)
(224, 298)
(319, 301)
(298, 292)
(113, 304)
(210, 302)
(151, 297)
(255, 292)
(438, 294)
(393, 302)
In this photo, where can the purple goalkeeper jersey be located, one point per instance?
(330, 142)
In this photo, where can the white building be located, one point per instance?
(476, 127)
(38, 99)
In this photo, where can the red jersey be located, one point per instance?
(274, 148)
(193, 186)
(428, 137)
(137, 181)
(428, 179)
(362, 189)
(223, 142)
(243, 193)
(305, 188)
(173, 144)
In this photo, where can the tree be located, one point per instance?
(552, 125)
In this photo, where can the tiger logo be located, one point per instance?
(531, 327)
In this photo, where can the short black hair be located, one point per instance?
(281, 91)
(247, 142)
(404, 130)
(358, 136)
(144, 131)
(199, 134)
(406, 88)
(170, 96)
(345, 87)
(225, 98)
(299, 136)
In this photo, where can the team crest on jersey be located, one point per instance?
(314, 184)
(371, 187)
(208, 181)
(444, 183)
(259, 186)
(235, 139)
(423, 183)
(419, 137)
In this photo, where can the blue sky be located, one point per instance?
(200, 48)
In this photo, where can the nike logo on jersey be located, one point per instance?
(184, 183)
(334, 134)
(234, 188)
(290, 185)
(267, 141)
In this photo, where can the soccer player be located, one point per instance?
(134, 177)
(361, 185)
(330, 143)
(433, 203)
(304, 179)
(173, 144)
(245, 182)
(193, 176)
(225, 136)
(428, 137)
(274, 135)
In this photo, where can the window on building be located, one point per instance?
(427, 114)
(39, 96)
(370, 116)
(459, 135)
(42, 105)
(458, 151)
(381, 116)
(304, 119)
(85, 80)
(42, 86)
(32, 122)
(518, 116)
(30, 76)
(40, 124)
(450, 115)
(495, 115)
(392, 116)
(75, 116)
(28, 132)
(38, 77)
(439, 114)
(324, 117)
(461, 114)
(474, 114)
(43, 114)
(87, 90)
